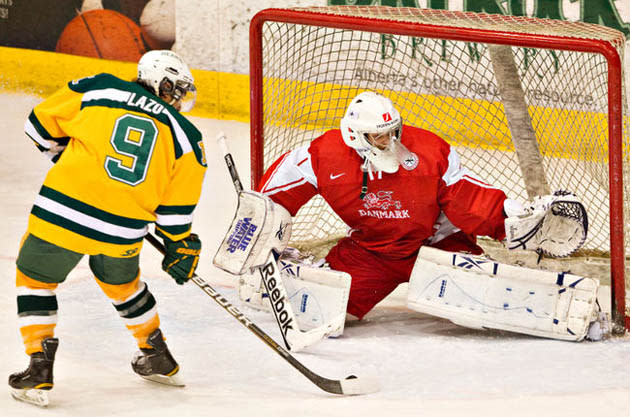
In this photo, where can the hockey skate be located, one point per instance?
(33, 384)
(157, 364)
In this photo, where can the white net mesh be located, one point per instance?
(450, 87)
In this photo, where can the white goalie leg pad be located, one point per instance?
(318, 296)
(259, 226)
(475, 292)
(252, 293)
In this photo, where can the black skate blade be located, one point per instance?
(33, 396)
(173, 380)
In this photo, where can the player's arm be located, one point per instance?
(174, 218)
(470, 203)
(555, 224)
(42, 124)
(291, 180)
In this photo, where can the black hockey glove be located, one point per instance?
(182, 257)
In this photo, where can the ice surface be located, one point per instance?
(426, 366)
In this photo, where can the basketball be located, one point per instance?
(104, 34)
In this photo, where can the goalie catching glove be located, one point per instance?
(181, 257)
(556, 224)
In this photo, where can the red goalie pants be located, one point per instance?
(374, 277)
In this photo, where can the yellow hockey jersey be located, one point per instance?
(130, 160)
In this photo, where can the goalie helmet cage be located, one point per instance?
(531, 105)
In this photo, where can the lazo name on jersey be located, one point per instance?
(145, 103)
(385, 214)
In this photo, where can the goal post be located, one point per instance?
(553, 116)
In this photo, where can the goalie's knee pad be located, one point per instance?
(259, 226)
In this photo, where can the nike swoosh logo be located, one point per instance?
(334, 177)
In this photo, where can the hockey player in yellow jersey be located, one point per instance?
(124, 157)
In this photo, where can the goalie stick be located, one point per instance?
(294, 338)
(351, 385)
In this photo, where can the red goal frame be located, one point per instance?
(534, 40)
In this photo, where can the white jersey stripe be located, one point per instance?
(108, 94)
(180, 136)
(301, 172)
(284, 187)
(30, 130)
(470, 177)
(271, 177)
(89, 221)
(174, 219)
(455, 172)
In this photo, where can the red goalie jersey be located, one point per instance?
(399, 212)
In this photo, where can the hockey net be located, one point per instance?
(532, 105)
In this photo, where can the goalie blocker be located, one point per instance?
(259, 227)
(475, 292)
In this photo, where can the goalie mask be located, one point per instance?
(168, 75)
(373, 127)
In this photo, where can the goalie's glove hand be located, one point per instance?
(555, 224)
(182, 257)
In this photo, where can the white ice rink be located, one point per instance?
(426, 366)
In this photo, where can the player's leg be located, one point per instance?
(41, 266)
(119, 278)
(373, 278)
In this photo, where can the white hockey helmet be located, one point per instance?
(167, 74)
(372, 114)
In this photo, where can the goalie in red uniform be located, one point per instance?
(414, 213)
(397, 187)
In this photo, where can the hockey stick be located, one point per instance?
(294, 338)
(351, 385)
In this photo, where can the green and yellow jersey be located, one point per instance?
(130, 160)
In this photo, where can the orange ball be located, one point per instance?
(104, 34)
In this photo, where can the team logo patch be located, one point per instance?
(381, 200)
(410, 162)
(381, 205)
